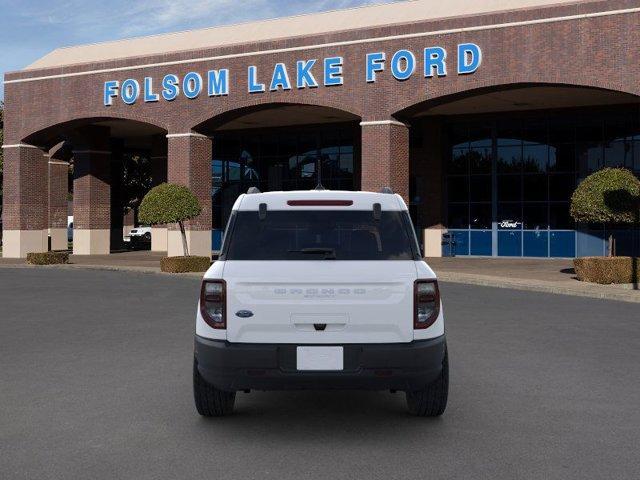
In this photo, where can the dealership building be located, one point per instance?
(483, 115)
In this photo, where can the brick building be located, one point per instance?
(482, 115)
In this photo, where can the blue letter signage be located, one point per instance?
(430, 62)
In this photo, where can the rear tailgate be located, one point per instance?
(320, 302)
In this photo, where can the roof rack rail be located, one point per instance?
(253, 190)
(386, 190)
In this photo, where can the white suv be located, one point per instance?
(320, 290)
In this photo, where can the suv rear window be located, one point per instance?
(320, 235)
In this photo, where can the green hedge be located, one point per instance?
(48, 258)
(607, 270)
(185, 264)
(610, 195)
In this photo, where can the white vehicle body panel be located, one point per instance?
(357, 301)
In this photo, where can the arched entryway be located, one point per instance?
(280, 147)
(110, 162)
(496, 167)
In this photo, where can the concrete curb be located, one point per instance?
(580, 289)
(113, 268)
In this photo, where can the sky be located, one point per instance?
(30, 29)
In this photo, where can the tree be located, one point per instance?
(170, 203)
(609, 196)
(136, 181)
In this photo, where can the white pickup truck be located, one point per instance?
(320, 290)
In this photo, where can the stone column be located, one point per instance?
(92, 193)
(385, 156)
(24, 200)
(159, 175)
(58, 191)
(189, 164)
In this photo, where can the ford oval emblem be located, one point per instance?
(244, 314)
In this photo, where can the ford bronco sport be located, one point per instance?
(320, 290)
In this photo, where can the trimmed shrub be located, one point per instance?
(607, 270)
(185, 264)
(170, 203)
(610, 195)
(48, 258)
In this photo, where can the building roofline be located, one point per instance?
(310, 24)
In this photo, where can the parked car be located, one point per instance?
(139, 237)
(320, 290)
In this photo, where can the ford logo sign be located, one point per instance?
(244, 314)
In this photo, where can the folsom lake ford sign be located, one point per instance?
(310, 73)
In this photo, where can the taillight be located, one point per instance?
(426, 303)
(213, 303)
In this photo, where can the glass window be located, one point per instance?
(479, 136)
(562, 157)
(537, 158)
(535, 216)
(321, 235)
(480, 186)
(535, 188)
(535, 133)
(459, 161)
(534, 158)
(509, 133)
(280, 159)
(510, 216)
(561, 131)
(561, 186)
(559, 217)
(480, 216)
(589, 157)
(480, 159)
(458, 215)
(636, 156)
(509, 188)
(510, 159)
(458, 189)
(618, 154)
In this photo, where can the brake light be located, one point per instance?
(426, 303)
(213, 303)
(320, 203)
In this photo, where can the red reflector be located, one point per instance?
(320, 203)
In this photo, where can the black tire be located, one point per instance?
(211, 402)
(432, 401)
(147, 236)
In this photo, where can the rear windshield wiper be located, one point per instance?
(329, 253)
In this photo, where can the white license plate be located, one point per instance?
(320, 358)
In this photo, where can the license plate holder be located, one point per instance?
(320, 359)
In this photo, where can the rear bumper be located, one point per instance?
(395, 366)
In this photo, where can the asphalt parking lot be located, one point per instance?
(95, 382)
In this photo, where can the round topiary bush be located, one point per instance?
(610, 195)
(170, 203)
